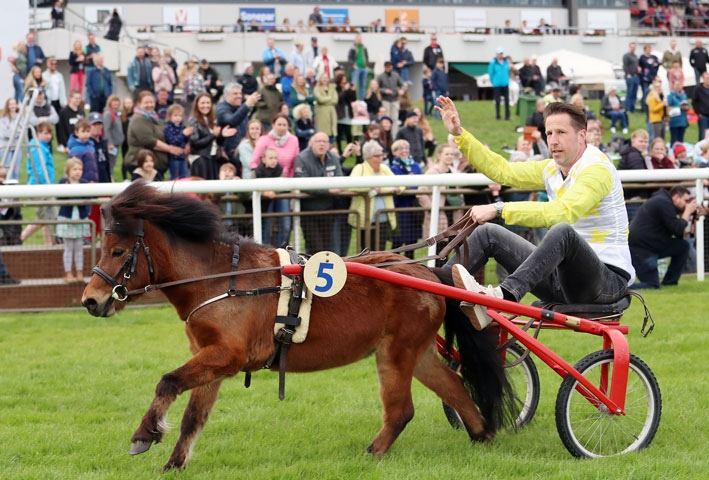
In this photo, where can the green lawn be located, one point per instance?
(75, 387)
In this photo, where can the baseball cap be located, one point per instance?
(313, 39)
(204, 60)
(95, 117)
(500, 50)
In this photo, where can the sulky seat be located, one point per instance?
(591, 311)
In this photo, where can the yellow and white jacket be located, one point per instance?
(590, 198)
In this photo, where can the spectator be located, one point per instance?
(324, 64)
(126, 116)
(172, 63)
(554, 95)
(248, 83)
(154, 55)
(191, 82)
(163, 76)
(524, 149)
(68, 116)
(35, 55)
(345, 96)
(205, 138)
(595, 136)
(76, 62)
(442, 164)
(114, 26)
(286, 83)
(73, 235)
(508, 30)
(379, 198)
(297, 57)
(657, 157)
(98, 84)
(359, 62)
(429, 141)
(316, 19)
(537, 118)
(611, 108)
(146, 167)
(554, 73)
(82, 147)
(113, 128)
(386, 137)
(301, 92)
(18, 65)
(432, 53)
(162, 103)
(272, 56)
(254, 130)
(317, 161)
(700, 102)
(35, 79)
(326, 98)
(304, 126)
(54, 85)
(234, 111)
(373, 98)
(402, 58)
(268, 167)
(409, 223)
(40, 171)
(413, 135)
(656, 232)
(312, 52)
(211, 79)
(531, 76)
(90, 51)
(632, 158)
(499, 72)
(57, 15)
(145, 131)
(632, 70)
(649, 64)
(177, 134)
(43, 111)
(671, 56)
(698, 58)
(577, 99)
(677, 106)
(675, 74)
(8, 121)
(427, 88)
(391, 86)
(139, 75)
(270, 101)
(105, 174)
(543, 26)
(439, 81)
(656, 104)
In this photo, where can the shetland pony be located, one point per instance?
(397, 324)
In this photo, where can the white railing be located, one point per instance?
(256, 186)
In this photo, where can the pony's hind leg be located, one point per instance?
(196, 413)
(431, 372)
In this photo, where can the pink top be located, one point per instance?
(286, 153)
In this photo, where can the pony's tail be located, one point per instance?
(481, 366)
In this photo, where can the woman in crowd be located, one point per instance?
(34, 78)
(442, 164)
(191, 82)
(126, 116)
(205, 139)
(163, 76)
(145, 131)
(386, 138)
(656, 109)
(577, 99)
(254, 130)
(76, 62)
(409, 222)
(428, 138)
(325, 113)
(286, 144)
(677, 106)
(658, 156)
(18, 64)
(7, 124)
(378, 199)
(324, 64)
(262, 76)
(373, 99)
(301, 92)
(346, 94)
(113, 128)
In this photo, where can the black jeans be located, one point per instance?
(645, 264)
(562, 268)
(498, 92)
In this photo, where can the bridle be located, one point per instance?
(119, 291)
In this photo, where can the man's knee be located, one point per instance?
(560, 230)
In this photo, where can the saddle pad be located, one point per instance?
(301, 331)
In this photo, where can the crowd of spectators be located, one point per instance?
(671, 17)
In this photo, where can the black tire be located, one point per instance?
(592, 432)
(524, 379)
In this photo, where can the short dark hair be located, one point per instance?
(578, 118)
(82, 124)
(143, 155)
(679, 190)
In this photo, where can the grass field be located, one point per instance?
(75, 387)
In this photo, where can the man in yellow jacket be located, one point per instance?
(584, 258)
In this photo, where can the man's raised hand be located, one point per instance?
(449, 115)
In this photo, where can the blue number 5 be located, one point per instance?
(326, 276)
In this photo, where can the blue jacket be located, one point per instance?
(235, 117)
(439, 80)
(93, 82)
(134, 72)
(397, 55)
(286, 83)
(427, 87)
(499, 73)
(174, 136)
(86, 152)
(674, 100)
(269, 59)
(65, 210)
(35, 172)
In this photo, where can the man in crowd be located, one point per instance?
(98, 84)
(68, 117)
(286, 83)
(297, 57)
(211, 80)
(656, 232)
(269, 101)
(402, 58)
(35, 55)
(272, 56)
(499, 72)
(631, 68)
(584, 258)
(613, 109)
(312, 53)
(358, 57)
(531, 75)
(432, 53)
(90, 51)
(318, 161)
(413, 134)
(140, 73)
(537, 118)
(232, 112)
(671, 56)
(554, 73)
(698, 58)
(390, 87)
(700, 102)
(316, 17)
(649, 64)
(162, 103)
(56, 91)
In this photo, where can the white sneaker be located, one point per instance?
(476, 313)
(612, 129)
(625, 131)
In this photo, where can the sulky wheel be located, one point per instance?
(590, 431)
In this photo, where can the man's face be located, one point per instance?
(92, 38)
(75, 100)
(358, 39)
(632, 48)
(639, 143)
(140, 52)
(434, 39)
(388, 67)
(403, 44)
(52, 64)
(30, 39)
(647, 50)
(270, 79)
(96, 129)
(98, 60)
(680, 201)
(234, 97)
(162, 97)
(673, 44)
(167, 52)
(697, 43)
(412, 121)
(320, 144)
(565, 144)
(270, 42)
(204, 65)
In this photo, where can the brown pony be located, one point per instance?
(397, 324)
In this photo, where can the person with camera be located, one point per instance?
(658, 231)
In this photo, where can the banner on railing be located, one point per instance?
(406, 17)
(338, 15)
(185, 17)
(264, 17)
(468, 19)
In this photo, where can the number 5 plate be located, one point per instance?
(325, 274)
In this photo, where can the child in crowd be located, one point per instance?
(146, 167)
(427, 92)
(268, 168)
(40, 171)
(105, 174)
(82, 147)
(227, 171)
(304, 126)
(72, 234)
(177, 134)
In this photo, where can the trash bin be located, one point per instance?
(526, 106)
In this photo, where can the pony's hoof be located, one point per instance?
(138, 447)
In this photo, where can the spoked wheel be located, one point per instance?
(525, 384)
(591, 431)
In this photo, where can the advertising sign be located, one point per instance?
(469, 19)
(266, 17)
(338, 15)
(407, 17)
